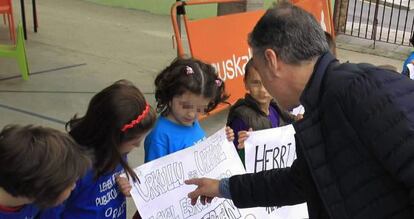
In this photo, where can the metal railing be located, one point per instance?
(388, 21)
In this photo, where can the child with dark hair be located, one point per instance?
(184, 90)
(38, 169)
(117, 119)
(409, 60)
(256, 111)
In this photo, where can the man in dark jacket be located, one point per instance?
(355, 145)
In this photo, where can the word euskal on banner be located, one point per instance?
(162, 193)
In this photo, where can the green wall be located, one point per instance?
(164, 6)
(161, 7)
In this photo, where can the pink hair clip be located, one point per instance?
(189, 70)
(137, 120)
(219, 82)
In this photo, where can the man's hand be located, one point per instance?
(207, 189)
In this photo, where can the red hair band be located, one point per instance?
(137, 120)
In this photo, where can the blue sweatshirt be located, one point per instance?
(92, 199)
(27, 212)
(168, 137)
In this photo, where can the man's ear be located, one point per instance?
(271, 60)
(246, 88)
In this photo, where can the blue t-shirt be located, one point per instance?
(27, 212)
(168, 137)
(92, 199)
(405, 70)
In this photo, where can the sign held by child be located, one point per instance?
(269, 149)
(162, 193)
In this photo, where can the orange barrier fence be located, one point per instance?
(222, 40)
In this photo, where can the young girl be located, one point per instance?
(256, 111)
(116, 120)
(184, 90)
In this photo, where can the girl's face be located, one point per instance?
(128, 146)
(254, 86)
(185, 108)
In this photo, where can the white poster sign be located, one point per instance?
(162, 194)
(411, 70)
(269, 149)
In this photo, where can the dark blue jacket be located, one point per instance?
(355, 148)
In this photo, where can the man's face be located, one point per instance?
(276, 79)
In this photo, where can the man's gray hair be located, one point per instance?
(291, 32)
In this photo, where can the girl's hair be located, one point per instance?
(102, 128)
(188, 75)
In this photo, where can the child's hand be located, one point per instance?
(298, 117)
(243, 135)
(229, 133)
(124, 185)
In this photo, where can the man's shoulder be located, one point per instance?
(361, 81)
(344, 75)
(348, 79)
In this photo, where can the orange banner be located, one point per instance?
(321, 10)
(222, 41)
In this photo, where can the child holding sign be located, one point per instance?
(38, 168)
(184, 90)
(256, 111)
(116, 120)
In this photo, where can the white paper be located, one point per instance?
(411, 70)
(273, 148)
(163, 194)
(298, 110)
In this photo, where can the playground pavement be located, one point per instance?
(82, 47)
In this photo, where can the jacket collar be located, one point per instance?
(312, 92)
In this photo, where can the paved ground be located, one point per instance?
(82, 47)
